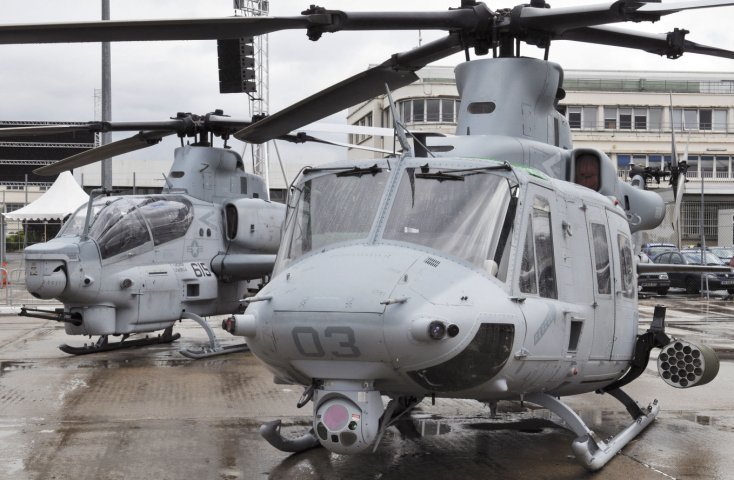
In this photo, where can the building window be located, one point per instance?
(11, 207)
(699, 119)
(447, 110)
(656, 118)
(581, 117)
(632, 118)
(625, 119)
(357, 138)
(574, 117)
(428, 110)
(610, 118)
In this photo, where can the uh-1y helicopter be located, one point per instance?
(135, 264)
(496, 267)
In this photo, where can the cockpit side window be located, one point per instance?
(169, 218)
(538, 257)
(118, 227)
(601, 258)
(626, 266)
(528, 280)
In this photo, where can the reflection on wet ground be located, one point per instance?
(150, 413)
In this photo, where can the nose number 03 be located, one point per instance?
(309, 342)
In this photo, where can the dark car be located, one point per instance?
(692, 281)
(654, 249)
(655, 282)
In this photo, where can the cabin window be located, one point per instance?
(587, 170)
(601, 258)
(626, 266)
(539, 248)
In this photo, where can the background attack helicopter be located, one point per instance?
(350, 365)
(142, 262)
(132, 264)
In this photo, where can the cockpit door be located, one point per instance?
(602, 273)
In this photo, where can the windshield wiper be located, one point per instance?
(358, 172)
(458, 174)
(347, 171)
(440, 176)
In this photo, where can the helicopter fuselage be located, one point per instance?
(134, 264)
(462, 278)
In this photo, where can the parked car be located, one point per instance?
(656, 282)
(726, 254)
(692, 281)
(654, 249)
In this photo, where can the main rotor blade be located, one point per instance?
(94, 127)
(558, 20)
(671, 44)
(396, 72)
(148, 30)
(136, 142)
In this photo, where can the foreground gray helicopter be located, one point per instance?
(134, 264)
(497, 267)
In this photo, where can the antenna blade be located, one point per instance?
(679, 191)
(149, 30)
(396, 72)
(672, 44)
(136, 142)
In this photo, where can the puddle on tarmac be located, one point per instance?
(12, 366)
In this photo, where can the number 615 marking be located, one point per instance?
(308, 342)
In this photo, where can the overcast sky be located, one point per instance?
(152, 81)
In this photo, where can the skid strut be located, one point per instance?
(589, 449)
(214, 348)
(104, 345)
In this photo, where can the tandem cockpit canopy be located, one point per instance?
(119, 224)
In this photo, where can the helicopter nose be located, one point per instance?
(46, 279)
(381, 312)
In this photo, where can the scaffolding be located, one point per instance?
(260, 99)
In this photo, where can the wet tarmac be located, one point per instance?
(151, 413)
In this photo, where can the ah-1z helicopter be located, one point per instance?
(135, 264)
(481, 271)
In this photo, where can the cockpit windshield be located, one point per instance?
(331, 208)
(464, 213)
(120, 224)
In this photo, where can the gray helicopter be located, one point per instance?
(128, 265)
(497, 266)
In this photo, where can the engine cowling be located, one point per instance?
(254, 225)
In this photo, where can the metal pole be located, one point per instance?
(703, 237)
(25, 222)
(106, 175)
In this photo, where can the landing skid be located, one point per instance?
(590, 450)
(104, 345)
(214, 348)
(270, 431)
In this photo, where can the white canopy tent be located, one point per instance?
(61, 199)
